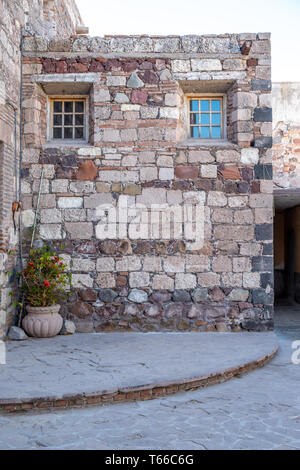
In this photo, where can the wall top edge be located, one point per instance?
(218, 44)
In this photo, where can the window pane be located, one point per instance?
(216, 119)
(79, 107)
(68, 119)
(79, 133)
(194, 105)
(216, 105)
(68, 132)
(57, 132)
(204, 105)
(205, 133)
(194, 118)
(195, 132)
(79, 119)
(205, 119)
(57, 119)
(68, 106)
(57, 106)
(216, 132)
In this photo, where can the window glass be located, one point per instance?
(68, 120)
(206, 118)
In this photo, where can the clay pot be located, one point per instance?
(42, 322)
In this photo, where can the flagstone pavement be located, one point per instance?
(260, 410)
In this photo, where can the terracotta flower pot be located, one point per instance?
(42, 322)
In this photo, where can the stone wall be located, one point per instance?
(47, 18)
(138, 149)
(11, 18)
(52, 18)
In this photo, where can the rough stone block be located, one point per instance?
(139, 279)
(185, 281)
(79, 230)
(203, 65)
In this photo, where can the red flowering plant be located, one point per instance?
(45, 279)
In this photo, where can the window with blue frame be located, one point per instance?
(206, 118)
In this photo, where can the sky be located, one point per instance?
(179, 17)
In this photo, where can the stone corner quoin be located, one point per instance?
(138, 147)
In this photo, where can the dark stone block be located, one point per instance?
(247, 174)
(262, 263)
(181, 296)
(243, 187)
(263, 142)
(264, 232)
(263, 172)
(268, 249)
(260, 296)
(266, 279)
(107, 295)
(161, 296)
(255, 187)
(261, 85)
(258, 325)
(24, 172)
(262, 115)
(69, 161)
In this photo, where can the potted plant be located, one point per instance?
(44, 282)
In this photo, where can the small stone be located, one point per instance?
(16, 334)
(199, 294)
(138, 296)
(134, 81)
(82, 309)
(139, 97)
(88, 295)
(249, 156)
(197, 311)
(68, 328)
(107, 295)
(186, 172)
(153, 310)
(239, 295)
(181, 296)
(161, 296)
(231, 173)
(121, 98)
(86, 326)
(221, 327)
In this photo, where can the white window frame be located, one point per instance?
(188, 97)
(50, 101)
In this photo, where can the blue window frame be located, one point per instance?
(206, 118)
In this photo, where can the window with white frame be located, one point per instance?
(206, 117)
(68, 119)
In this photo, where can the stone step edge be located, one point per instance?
(135, 393)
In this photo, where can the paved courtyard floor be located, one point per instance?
(86, 363)
(260, 410)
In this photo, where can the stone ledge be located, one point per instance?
(148, 391)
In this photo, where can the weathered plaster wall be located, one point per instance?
(137, 148)
(286, 133)
(286, 166)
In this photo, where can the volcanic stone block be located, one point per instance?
(261, 85)
(264, 232)
(263, 172)
(262, 115)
